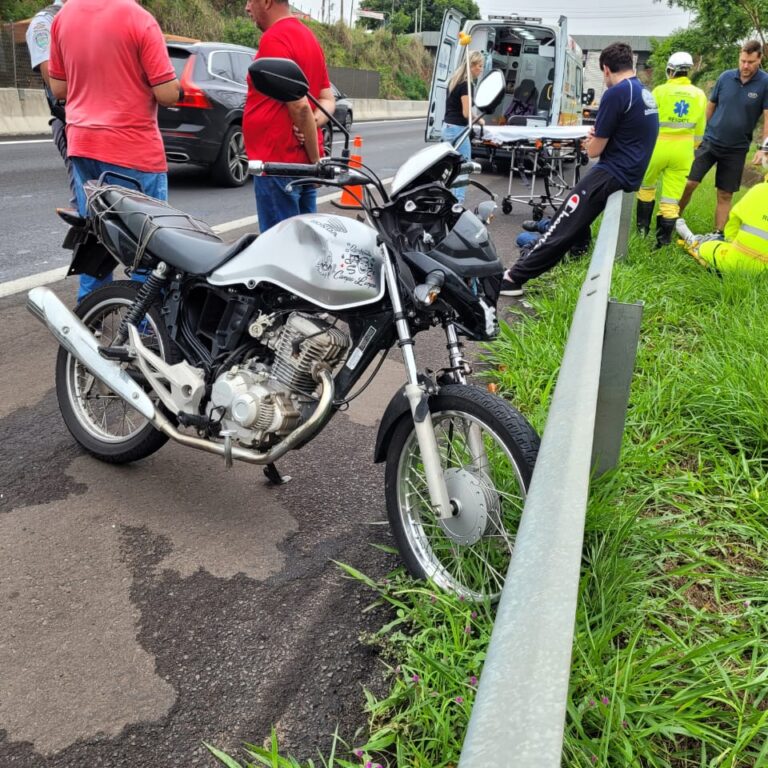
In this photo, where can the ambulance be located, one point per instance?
(543, 68)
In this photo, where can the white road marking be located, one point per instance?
(11, 287)
(28, 141)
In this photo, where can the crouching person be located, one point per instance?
(744, 245)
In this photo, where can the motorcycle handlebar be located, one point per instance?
(315, 170)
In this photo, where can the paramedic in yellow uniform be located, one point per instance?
(682, 119)
(745, 248)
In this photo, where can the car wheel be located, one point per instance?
(231, 166)
(348, 120)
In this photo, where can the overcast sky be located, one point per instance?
(633, 17)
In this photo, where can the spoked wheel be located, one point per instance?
(103, 423)
(488, 450)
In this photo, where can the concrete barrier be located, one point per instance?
(383, 109)
(25, 111)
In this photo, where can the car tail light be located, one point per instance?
(193, 96)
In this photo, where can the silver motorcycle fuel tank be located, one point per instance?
(331, 261)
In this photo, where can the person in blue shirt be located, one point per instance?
(623, 137)
(737, 101)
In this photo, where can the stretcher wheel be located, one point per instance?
(506, 206)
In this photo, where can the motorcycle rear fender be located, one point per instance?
(89, 256)
(398, 408)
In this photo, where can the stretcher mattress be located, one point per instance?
(509, 134)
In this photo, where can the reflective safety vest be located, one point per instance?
(682, 110)
(747, 225)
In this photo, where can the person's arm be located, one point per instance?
(327, 101)
(711, 106)
(54, 66)
(701, 123)
(167, 94)
(44, 73)
(58, 88)
(304, 122)
(157, 66)
(606, 120)
(595, 146)
(758, 158)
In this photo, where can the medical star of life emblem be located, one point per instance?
(681, 108)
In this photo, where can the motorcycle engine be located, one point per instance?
(259, 402)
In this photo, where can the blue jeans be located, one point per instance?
(275, 204)
(85, 169)
(448, 133)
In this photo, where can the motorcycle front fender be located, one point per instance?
(398, 408)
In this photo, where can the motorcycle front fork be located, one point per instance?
(417, 396)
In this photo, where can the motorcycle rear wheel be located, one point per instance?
(469, 553)
(101, 422)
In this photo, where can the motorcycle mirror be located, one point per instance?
(280, 79)
(490, 91)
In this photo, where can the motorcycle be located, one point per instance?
(247, 350)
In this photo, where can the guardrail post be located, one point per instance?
(622, 333)
(625, 224)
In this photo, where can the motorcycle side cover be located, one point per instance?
(330, 261)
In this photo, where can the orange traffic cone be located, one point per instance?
(350, 196)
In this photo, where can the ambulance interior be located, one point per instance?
(526, 55)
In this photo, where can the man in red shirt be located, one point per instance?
(285, 132)
(110, 62)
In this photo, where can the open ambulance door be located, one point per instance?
(446, 60)
(561, 47)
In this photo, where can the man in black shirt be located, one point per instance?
(623, 138)
(735, 105)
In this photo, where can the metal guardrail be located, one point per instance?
(518, 717)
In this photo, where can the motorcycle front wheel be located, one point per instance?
(100, 421)
(487, 451)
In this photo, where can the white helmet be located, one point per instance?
(679, 62)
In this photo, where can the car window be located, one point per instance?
(240, 64)
(220, 65)
(178, 59)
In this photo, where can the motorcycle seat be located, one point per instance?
(164, 233)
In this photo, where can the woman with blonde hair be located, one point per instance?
(457, 107)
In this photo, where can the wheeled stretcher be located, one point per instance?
(539, 154)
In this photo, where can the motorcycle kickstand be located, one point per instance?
(272, 473)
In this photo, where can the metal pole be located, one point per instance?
(518, 718)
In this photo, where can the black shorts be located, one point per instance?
(730, 165)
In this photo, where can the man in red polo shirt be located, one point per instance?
(110, 62)
(285, 132)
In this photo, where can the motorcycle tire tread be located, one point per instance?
(507, 421)
(148, 440)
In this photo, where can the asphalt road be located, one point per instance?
(147, 608)
(33, 184)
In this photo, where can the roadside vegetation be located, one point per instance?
(670, 665)
(404, 65)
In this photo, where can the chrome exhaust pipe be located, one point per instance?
(177, 157)
(73, 335)
(305, 431)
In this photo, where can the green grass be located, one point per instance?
(670, 662)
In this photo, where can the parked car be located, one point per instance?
(205, 126)
(343, 113)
